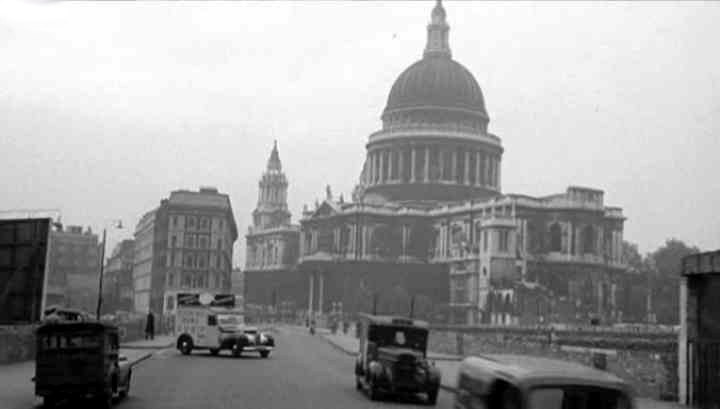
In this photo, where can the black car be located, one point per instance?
(392, 358)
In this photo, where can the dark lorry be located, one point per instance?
(393, 358)
(77, 360)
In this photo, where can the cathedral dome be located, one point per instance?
(436, 82)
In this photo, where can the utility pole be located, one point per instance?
(118, 224)
(412, 306)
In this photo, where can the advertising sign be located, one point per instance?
(23, 261)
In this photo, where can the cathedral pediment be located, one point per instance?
(327, 208)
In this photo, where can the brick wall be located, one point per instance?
(648, 361)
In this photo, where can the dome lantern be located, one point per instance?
(437, 38)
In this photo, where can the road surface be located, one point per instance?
(304, 372)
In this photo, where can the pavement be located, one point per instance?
(449, 365)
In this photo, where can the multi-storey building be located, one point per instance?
(74, 269)
(118, 280)
(185, 244)
(429, 222)
(272, 241)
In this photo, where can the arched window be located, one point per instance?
(588, 240)
(555, 237)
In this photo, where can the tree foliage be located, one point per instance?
(666, 260)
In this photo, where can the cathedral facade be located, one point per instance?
(428, 228)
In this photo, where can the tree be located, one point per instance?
(663, 267)
(631, 256)
(668, 258)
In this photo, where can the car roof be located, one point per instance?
(538, 370)
(393, 320)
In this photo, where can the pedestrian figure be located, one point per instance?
(150, 326)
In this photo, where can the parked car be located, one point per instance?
(78, 360)
(393, 358)
(524, 382)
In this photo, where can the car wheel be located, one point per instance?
(126, 391)
(186, 347)
(214, 351)
(50, 401)
(373, 391)
(432, 397)
(264, 354)
(237, 351)
(104, 400)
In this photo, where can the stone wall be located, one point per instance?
(17, 343)
(647, 360)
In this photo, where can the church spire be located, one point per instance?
(437, 37)
(274, 160)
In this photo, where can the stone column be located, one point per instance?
(477, 168)
(682, 345)
(321, 292)
(376, 172)
(467, 168)
(486, 170)
(412, 164)
(391, 157)
(453, 177)
(382, 166)
(351, 241)
(370, 168)
(441, 163)
(401, 163)
(497, 176)
(427, 164)
(311, 279)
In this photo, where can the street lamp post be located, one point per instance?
(118, 225)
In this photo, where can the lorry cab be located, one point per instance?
(393, 358)
(526, 382)
(79, 360)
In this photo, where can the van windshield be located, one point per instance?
(398, 336)
(229, 320)
(577, 397)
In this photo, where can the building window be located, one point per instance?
(186, 280)
(588, 240)
(219, 245)
(190, 241)
(504, 242)
(189, 260)
(555, 237)
(221, 224)
(172, 259)
(204, 223)
(191, 222)
(203, 242)
(173, 242)
(170, 303)
(202, 261)
(175, 221)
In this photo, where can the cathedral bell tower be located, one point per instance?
(272, 210)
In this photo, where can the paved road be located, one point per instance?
(303, 372)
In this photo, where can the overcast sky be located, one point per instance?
(105, 107)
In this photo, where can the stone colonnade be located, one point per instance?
(432, 163)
